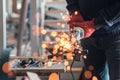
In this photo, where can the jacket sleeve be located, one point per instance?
(72, 5)
(108, 16)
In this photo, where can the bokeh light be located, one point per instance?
(43, 31)
(44, 45)
(53, 33)
(49, 63)
(94, 78)
(84, 56)
(53, 76)
(58, 24)
(54, 51)
(66, 63)
(69, 56)
(54, 58)
(6, 67)
(76, 12)
(68, 68)
(88, 74)
(63, 25)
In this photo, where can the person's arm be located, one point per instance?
(108, 16)
(72, 5)
(76, 19)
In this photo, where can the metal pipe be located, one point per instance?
(2, 24)
(14, 6)
(22, 25)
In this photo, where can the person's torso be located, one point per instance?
(90, 8)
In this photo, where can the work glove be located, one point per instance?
(76, 20)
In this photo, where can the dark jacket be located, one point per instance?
(106, 14)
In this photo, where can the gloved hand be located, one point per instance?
(76, 20)
(87, 26)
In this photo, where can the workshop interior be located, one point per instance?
(36, 42)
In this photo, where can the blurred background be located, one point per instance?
(30, 29)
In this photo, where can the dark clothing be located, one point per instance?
(106, 13)
(102, 50)
(104, 44)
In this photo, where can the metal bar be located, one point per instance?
(43, 13)
(22, 25)
(2, 24)
(55, 11)
(14, 6)
(55, 21)
(55, 2)
(34, 22)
